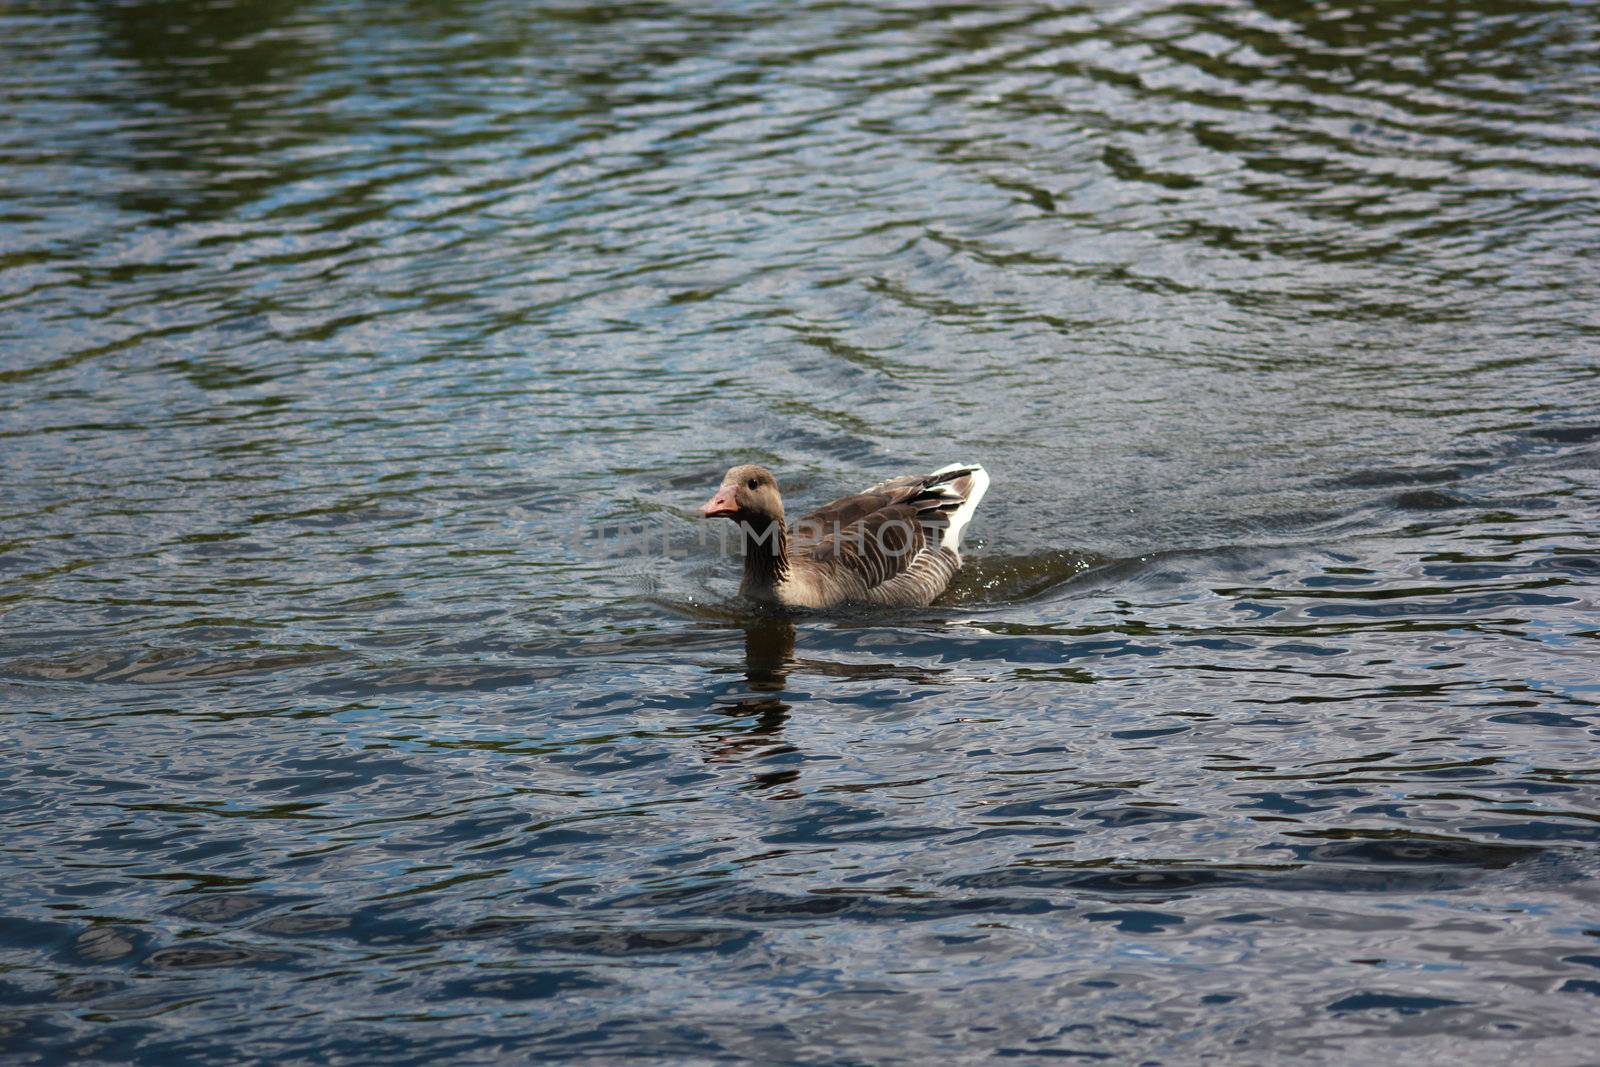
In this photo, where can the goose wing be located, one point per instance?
(895, 543)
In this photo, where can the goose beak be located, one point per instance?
(721, 505)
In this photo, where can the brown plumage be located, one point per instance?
(897, 543)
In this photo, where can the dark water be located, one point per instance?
(349, 351)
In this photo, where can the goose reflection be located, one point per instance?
(758, 708)
(768, 658)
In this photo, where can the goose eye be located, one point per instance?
(752, 483)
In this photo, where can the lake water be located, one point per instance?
(373, 692)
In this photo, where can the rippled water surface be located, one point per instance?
(373, 692)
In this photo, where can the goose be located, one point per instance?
(895, 544)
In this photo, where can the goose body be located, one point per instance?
(895, 544)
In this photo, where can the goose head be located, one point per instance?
(748, 493)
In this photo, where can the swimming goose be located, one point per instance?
(897, 543)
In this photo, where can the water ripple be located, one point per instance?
(376, 693)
